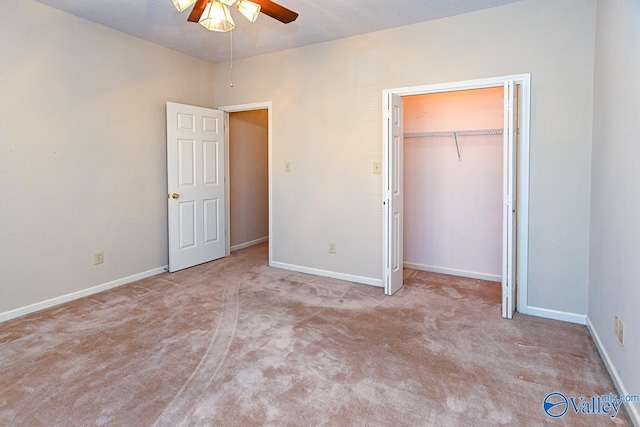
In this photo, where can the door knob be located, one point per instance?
(175, 196)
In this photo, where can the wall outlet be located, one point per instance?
(377, 169)
(619, 329)
(287, 166)
(98, 258)
(332, 247)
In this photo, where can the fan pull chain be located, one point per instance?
(231, 66)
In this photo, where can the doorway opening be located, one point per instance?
(509, 264)
(248, 178)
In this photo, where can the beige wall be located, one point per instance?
(83, 150)
(327, 123)
(615, 202)
(249, 176)
(452, 208)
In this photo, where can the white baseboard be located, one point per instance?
(247, 244)
(454, 272)
(580, 319)
(326, 273)
(632, 410)
(12, 314)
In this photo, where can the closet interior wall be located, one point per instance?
(453, 193)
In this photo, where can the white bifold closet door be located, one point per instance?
(510, 140)
(394, 189)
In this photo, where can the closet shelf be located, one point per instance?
(453, 133)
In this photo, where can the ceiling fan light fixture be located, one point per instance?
(248, 9)
(217, 17)
(183, 4)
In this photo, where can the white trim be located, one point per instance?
(21, 311)
(524, 81)
(632, 410)
(227, 188)
(459, 85)
(522, 194)
(580, 319)
(249, 243)
(325, 273)
(266, 105)
(454, 272)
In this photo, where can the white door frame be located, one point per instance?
(524, 81)
(267, 105)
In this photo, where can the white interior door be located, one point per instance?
(195, 183)
(509, 193)
(393, 215)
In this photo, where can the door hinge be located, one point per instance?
(388, 114)
(508, 105)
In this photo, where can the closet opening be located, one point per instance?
(456, 183)
(453, 159)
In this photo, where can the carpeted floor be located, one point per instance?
(236, 343)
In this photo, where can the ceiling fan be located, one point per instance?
(215, 15)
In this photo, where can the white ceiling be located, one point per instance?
(320, 20)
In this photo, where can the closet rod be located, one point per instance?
(453, 133)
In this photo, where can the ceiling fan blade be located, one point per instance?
(276, 11)
(197, 10)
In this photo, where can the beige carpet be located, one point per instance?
(234, 342)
